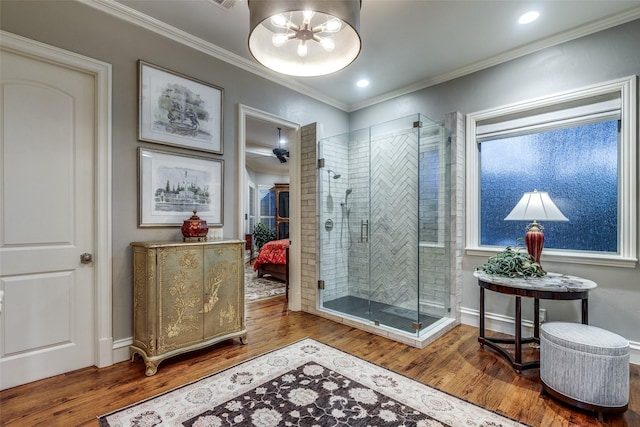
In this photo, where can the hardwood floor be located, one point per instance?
(455, 364)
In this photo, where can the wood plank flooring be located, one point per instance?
(455, 364)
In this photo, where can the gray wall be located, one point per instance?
(84, 30)
(597, 58)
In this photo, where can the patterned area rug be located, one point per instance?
(305, 384)
(256, 289)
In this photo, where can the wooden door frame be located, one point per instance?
(101, 71)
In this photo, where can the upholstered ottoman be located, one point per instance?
(585, 366)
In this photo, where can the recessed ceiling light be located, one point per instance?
(362, 83)
(528, 17)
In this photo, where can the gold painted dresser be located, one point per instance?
(186, 296)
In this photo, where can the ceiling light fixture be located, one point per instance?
(362, 83)
(528, 17)
(304, 37)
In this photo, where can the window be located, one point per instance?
(267, 206)
(251, 217)
(578, 146)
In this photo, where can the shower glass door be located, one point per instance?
(383, 203)
(393, 224)
(343, 200)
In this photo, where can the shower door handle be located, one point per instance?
(364, 231)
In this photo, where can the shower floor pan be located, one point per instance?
(395, 317)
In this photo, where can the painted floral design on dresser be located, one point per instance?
(228, 315)
(215, 278)
(184, 303)
(186, 296)
(180, 311)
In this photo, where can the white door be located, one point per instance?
(47, 134)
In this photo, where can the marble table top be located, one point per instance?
(554, 282)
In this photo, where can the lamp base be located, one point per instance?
(534, 239)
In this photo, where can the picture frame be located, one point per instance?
(178, 110)
(171, 186)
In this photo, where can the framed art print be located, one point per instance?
(171, 186)
(177, 110)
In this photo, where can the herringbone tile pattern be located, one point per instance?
(394, 220)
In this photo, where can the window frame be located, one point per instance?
(626, 90)
(262, 216)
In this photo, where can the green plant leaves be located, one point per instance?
(512, 263)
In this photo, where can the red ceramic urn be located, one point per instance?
(195, 228)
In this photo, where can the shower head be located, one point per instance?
(335, 175)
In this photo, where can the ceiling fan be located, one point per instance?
(281, 153)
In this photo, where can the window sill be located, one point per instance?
(549, 255)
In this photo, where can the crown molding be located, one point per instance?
(134, 17)
(576, 33)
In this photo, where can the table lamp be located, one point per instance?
(533, 206)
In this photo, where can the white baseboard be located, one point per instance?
(468, 316)
(505, 324)
(121, 350)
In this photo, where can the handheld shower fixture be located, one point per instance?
(346, 210)
(349, 190)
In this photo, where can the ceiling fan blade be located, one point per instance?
(260, 151)
(281, 154)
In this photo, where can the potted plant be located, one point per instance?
(512, 262)
(262, 234)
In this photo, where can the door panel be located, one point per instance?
(223, 301)
(47, 205)
(179, 297)
(48, 297)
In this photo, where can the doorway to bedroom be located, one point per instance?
(266, 208)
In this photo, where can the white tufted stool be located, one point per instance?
(585, 366)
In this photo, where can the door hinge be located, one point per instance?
(417, 124)
(320, 163)
(416, 325)
(320, 284)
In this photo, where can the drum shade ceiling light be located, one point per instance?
(304, 38)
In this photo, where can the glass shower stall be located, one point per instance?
(384, 217)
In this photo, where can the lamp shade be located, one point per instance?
(536, 206)
(304, 37)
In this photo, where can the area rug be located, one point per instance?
(259, 288)
(306, 383)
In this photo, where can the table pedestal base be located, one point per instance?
(493, 343)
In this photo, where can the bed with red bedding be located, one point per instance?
(272, 259)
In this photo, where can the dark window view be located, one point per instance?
(577, 166)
